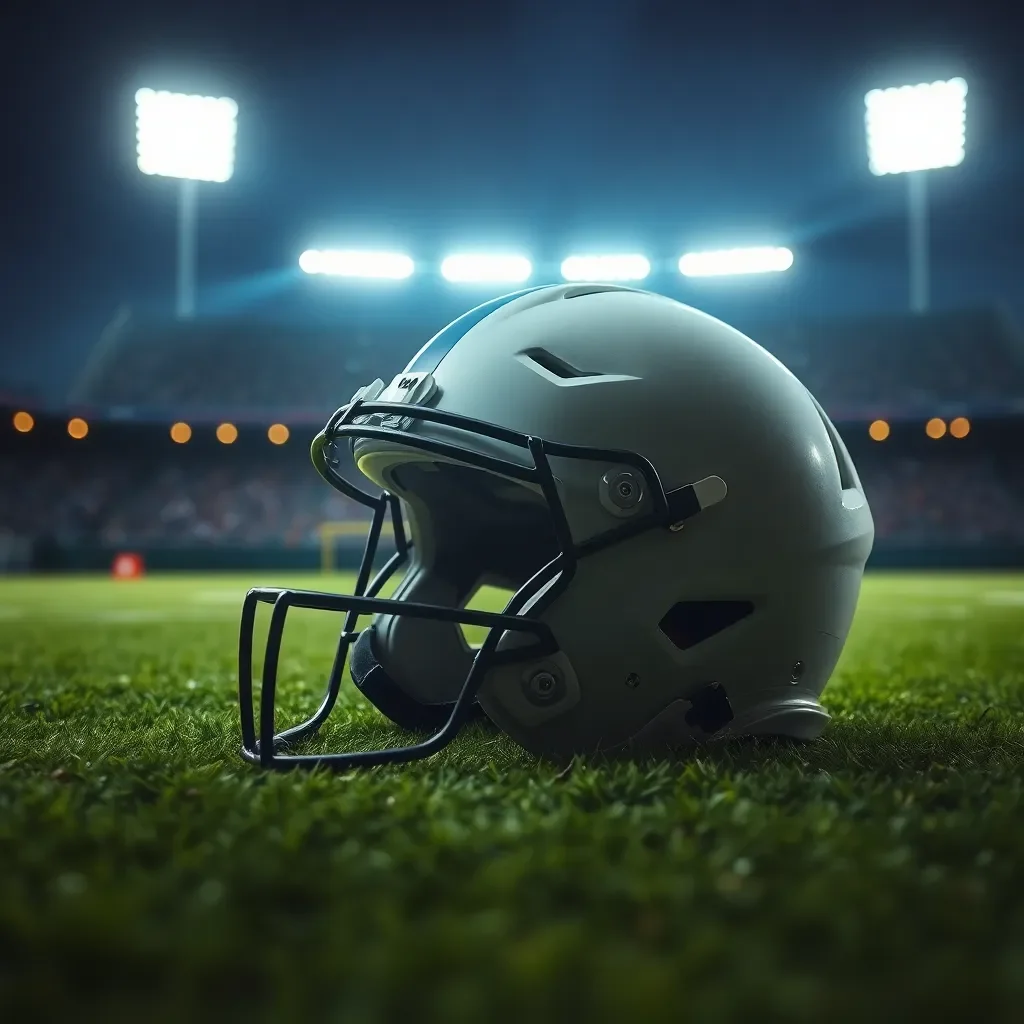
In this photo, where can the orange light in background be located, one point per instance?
(227, 433)
(23, 422)
(960, 427)
(879, 430)
(935, 428)
(278, 433)
(78, 428)
(181, 433)
(127, 565)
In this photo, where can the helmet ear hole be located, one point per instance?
(688, 623)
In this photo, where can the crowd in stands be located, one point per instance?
(853, 365)
(122, 501)
(236, 366)
(906, 363)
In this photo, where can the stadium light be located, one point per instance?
(728, 262)
(611, 267)
(935, 428)
(490, 268)
(227, 433)
(278, 433)
(360, 263)
(77, 428)
(960, 427)
(191, 138)
(879, 430)
(23, 422)
(912, 130)
(181, 433)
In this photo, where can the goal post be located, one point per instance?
(350, 529)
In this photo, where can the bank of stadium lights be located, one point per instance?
(610, 267)
(191, 138)
(911, 130)
(486, 268)
(367, 264)
(730, 262)
(512, 269)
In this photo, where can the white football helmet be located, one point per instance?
(681, 524)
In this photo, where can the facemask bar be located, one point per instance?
(669, 510)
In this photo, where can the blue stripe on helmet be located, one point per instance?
(429, 357)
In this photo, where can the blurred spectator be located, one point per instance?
(237, 499)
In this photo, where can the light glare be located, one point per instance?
(182, 136)
(467, 268)
(916, 127)
(361, 263)
(622, 267)
(758, 260)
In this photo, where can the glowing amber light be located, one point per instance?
(879, 430)
(935, 427)
(227, 433)
(960, 427)
(181, 433)
(23, 422)
(78, 428)
(278, 433)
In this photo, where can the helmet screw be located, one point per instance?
(621, 491)
(797, 672)
(542, 685)
(632, 680)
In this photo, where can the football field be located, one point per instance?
(148, 874)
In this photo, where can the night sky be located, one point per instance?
(550, 127)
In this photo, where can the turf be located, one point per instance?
(146, 873)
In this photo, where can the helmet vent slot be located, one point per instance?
(688, 623)
(847, 474)
(557, 366)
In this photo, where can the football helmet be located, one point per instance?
(680, 523)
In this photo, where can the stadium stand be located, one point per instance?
(127, 486)
(155, 493)
(914, 364)
(236, 367)
(858, 368)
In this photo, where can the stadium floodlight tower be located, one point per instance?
(912, 130)
(191, 138)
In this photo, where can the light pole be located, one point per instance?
(191, 138)
(912, 130)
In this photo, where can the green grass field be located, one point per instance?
(148, 874)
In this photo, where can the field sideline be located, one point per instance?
(146, 873)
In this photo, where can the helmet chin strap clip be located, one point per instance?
(685, 502)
